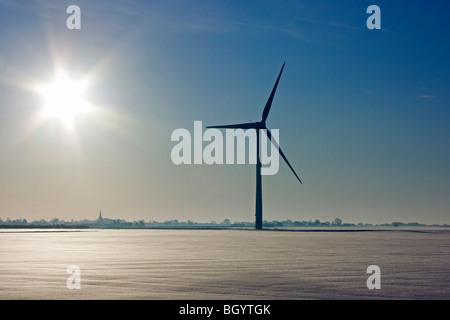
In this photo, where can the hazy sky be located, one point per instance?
(363, 114)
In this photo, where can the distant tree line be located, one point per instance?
(226, 223)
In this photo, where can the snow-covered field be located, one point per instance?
(225, 264)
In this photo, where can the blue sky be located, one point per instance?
(363, 114)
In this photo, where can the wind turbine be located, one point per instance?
(261, 125)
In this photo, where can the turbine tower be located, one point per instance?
(258, 126)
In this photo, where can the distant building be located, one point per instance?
(100, 218)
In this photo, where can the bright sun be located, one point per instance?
(64, 99)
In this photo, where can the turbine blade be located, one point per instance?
(251, 125)
(269, 134)
(269, 102)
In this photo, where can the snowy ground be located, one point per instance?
(225, 264)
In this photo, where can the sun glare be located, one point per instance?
(64, 99)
